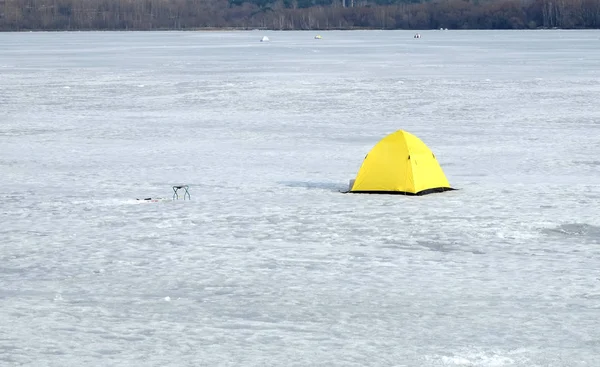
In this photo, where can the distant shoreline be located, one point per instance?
(241, 29)
(296, 15)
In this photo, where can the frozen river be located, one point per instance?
(268, 264)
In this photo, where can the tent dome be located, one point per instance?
(400, 164)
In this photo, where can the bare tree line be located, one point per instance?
(18, 15)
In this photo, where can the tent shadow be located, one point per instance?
(311, 185)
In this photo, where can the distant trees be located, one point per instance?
(297, 14)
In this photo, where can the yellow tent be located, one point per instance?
(400, 164)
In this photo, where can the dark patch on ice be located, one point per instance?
(8, 358)
(8, 162)
(7, 348)
(446, 247)
(575, 230)
(432, 246)
(4, 270)
(28, 131)
(54, 352)
(588, 163)
(329, 186)
(109, 351)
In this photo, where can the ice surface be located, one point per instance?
(268, 264)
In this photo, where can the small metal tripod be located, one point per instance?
(176, 195)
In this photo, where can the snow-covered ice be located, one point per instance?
(268, 264)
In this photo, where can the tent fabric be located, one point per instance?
(400, 164)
